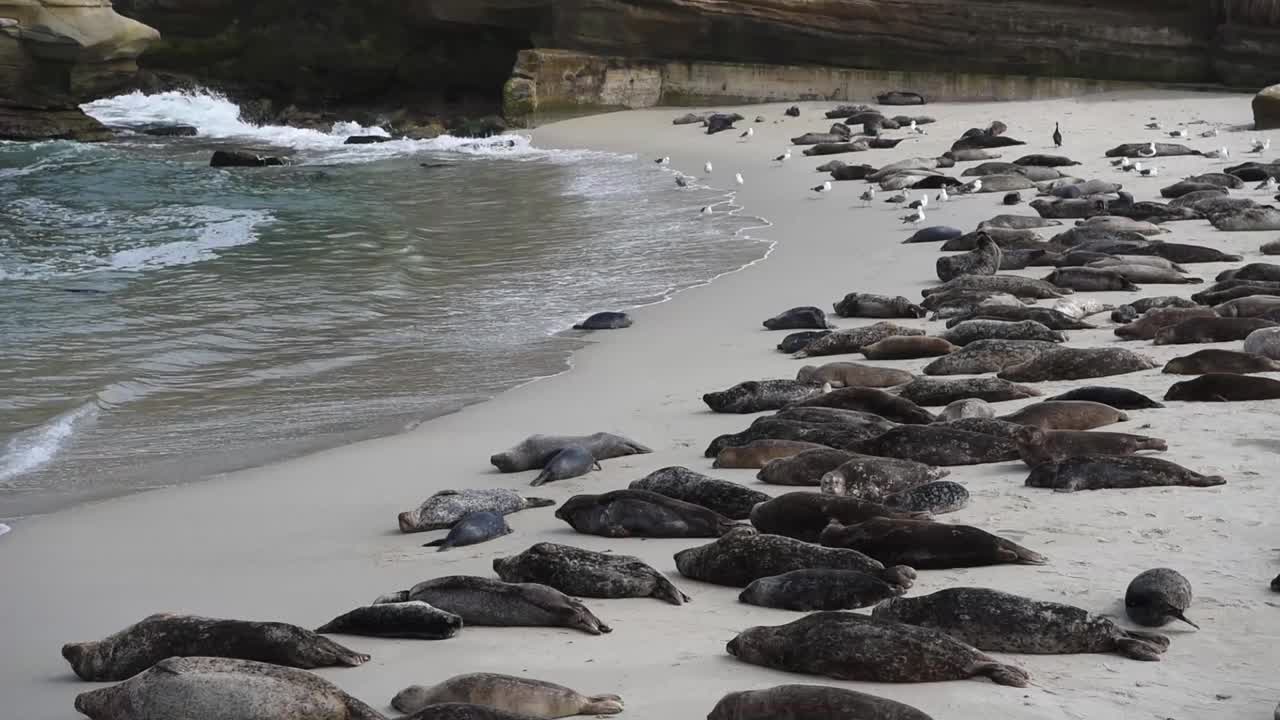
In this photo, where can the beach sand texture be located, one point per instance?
(306, 540)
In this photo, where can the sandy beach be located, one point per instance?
(306, 540)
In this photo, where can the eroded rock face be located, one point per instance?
(1266, 108)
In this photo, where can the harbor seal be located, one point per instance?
(640, 513)
(810, 702)
(472, 529)
(799, 318)
(755, 396)
(1157, 319)
(524, 696)
(1048, 317)
(413, 619)
(927, 545)
(804, 515)
(986, 426)
(1071, 363)
(1017, 222)
(759, 453)
(848, 646)
(1249, 219)
(771, 427)
(1118, 398)
(938, 445)
(1089, 279)
(1202, 362)
(1038, 446)
(867, 305)
(213, 688)
(848, 419)
(797, 341)
(854, 339)
(605, 321)
(1248, 306)
(969, 408)
(935, 498)
(1015, 285)
(809, 590)
(1103, 472)
(908, 347)
(971, 331)
(583, 573)
(1224, 387)
(933, 392)
(1265, 342)
(875, 479)
(936, 233)
(128, 652)
(535, 451)
(872, 400)
(445, 508)
(571, 462)
(851, 374)
(1143, 271)
(804, 469)
(483, 601)
(743, 556)
(986, 356)
(1157, 597)
(730, 499)
(997, 621)
(1066, 415)
(1210, 330)
(984, 259)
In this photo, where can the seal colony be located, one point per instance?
(834, 497)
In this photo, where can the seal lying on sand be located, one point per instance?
(1210, 330)
(797, 341)
(879, 402)
(640, 513)
(730, 499)
(1214, 360)
(805, 469)
(933, 392)
(743, 556)
(472, 529)
(854, 339)
(908, 347)
(1158, 597)
(759, 395)
(984, 356)
(984, 259)
(804, 515)
(1102, 472)
(414, 620)
(525, 696)
(785, 702)
(938, 445)
(126, 653)
(1066, 415)
(873, 479)
(1042, 446)
(1071, 363)
(759, 453)
(867, 305)
(971, 331)
(1224, 387)
(850, 374)
(571, 462)
(809, 590)
(605, 321)
(847, 646)
(447, 507)
(482, 601)
(212, 688)
(584, 573)
(927, 545)
(535, 451)
(1118, 398)
(799, 318)
(1001, 622)
(935, 498)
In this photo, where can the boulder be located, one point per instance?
(241, 158)
(1266, 108)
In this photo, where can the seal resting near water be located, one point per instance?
(744, 555)
(755, 396)
(810, 702)
(927, 545)
(1104, 472)
(445, 508)
(571, 462)
(804, 515)
(847, 646)
(211, 688)
(1001, 622)
(525, 696)
(535, 451)
(472, 529)
(854, 339)
(412, 619)
(730, 499)
(584, 573)
(799, 318)
(874, 479)
(809, 590)
(1224, 387)
(605, 321)
(1157, 597)
(867, 305)
(1066, 415)
(1038, 446)
(640, 513)
(128, 652)
(985, 356)
(483, 601)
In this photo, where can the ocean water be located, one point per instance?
(162, 321)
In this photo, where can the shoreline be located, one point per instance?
(305, 540)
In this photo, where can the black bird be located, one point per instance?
(1057, 135)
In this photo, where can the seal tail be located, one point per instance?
(1002, 674)
(666, 590)
(1138, 650)
(900, 576)
(542, 478)
(536, 502)
(1023, 556)
(439, 545)
(1175, 612)
(1207, 481)
(602, 705)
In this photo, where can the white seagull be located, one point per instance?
(1126, 164)
(823, 188)
(1148, 152)
(706, 210)
(916, 217)
(1179, 133)
(973, 187)
(707, 168)
(1209, 133)
(1150, 172)
(922, 203)
(869, 195)
(748, 133)
(737, 177)
(1137, 167)
(1269, 185)
(1153, 126)
(785, 156)
(1261, 145)
(943, 196)
(663, 161)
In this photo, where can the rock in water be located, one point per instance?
(240, 158)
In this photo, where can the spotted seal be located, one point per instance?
(535, 451)
(1048, 317)
(850, 374)
(584, 573)
(1070, 363)
(524, 696)
(974, 330)
(483, 601)
(1156, 319)
(804, 515)
(1213, 360)
(1002, 622)
(874, 479)
(1038, 446)
(938, 445)
(927, 545)
(1013, 284)
(640, 513)
(755, 396)
(1224, 387)
(1248, 306)
(879, 402)
(797, 341)
(809, 590)
(908, 347)
(1102, 472)
(1210, 330)
(804, 469)
(1130, 311)
(1157, 597)
(968, 408)
(868, 305)
(730, 499)
(853, 340)
(412, 619)
(936, 498)
(445, 508)
(985, 356)
(1066, 415)
(472, 529)
(984, 259)
(1118, 398)
(933, 392)
(743, 556)
(798, 318)
(785, 701)
(1089, 279)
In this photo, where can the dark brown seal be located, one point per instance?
(908, 347)
(927, 545)
(758, 453)
(1210, 330)
(744, 555)
(1213, 360)
(1066, 415)
(804, 515)
(584, 573)
(805, 469)
(810, 702)
(484, 601)
(1103, 472)
(730, 499)
(1041, 446)
(640, 513)
(1224, 387)
(1158, 597)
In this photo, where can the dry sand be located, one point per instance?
(308, 539)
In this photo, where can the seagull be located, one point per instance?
(682, 181)
(1149, 172)
(737, 177)
(785, 156)
(1261, 145)
(706, 210)
(869, 195)
(943, 196)
(1179, 133)
(1269, 185)
(823, 188)
(972, 187)
(1148, 151)
(1137, 167)
(748, 133)
(920, 204)
(707, 168)
(916, 217)
(1126, 164)
(663, 161)
(1209, 133)
(1057, 135)
(1118, 161)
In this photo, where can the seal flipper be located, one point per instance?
(664, 589)
(542, 478)
(438, 544)
(900, 576)
(398, 596)
(1175, 612)
(1002, 674)
(601, 705)
(1138, 649)
(1159, 641)
(536, 502)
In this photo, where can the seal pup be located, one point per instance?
(985, 356)
(483, 601)
(1224, 387)
(888, 406)
(472, 529)
(730, 499)
(1118, 398)
(932, 392)
(850, 374)
(213, 688)
(935, 498)
(1066, 415)
(1265, 342)
(848, 646)
(984, 259)
(816, 702)
(759, 453)
(938, 445)
(525, 696)
(1070, 363)
(809, 590)
(640, 513)
(854, 339)
(799, 318)
(445, 508)
(128, 652)
(797, 341)
(1157, 597)
(755, 396)
(1202, 362)
(875, 479)
(1210, 330)
(743, 556)
(804, 469)
(584, 573)
(971, 331)
(1001, 622)
(1038, 446)
(908, 347)
(1089, 279)
(927, 545)
(804, 515)
(868, 305)
(571, 462)
(414, 620)
(1103, 472)
(535, 451)
(605, 321)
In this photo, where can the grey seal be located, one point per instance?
(938, 445)
(847, 646)
(936, 233)
(1213, 360)
(1249, 306)
(128, 652)
(1118, 398)
(571, 462)
(850, 374)
(524, 696)
(535, 451)
(411, 619)
(1038, 446)
(743, 556)
(1143, 271)
(483, 601)
(1066, 415)
(1001, 622)
(908, 347)
(795, 424)
(854, 339)
(933, 392)
(640, 513)
(985, 356)
(755, 396)
(1070, 363)
(1016, 285)
(809, 590)
(605, 321)
(810, 702)
(730, 499)
(1156, 319)
(583, 573)
(1224, 387)
(982, 260)
(1157, 597)
(936, 498)
(804, 469)
(759, 453)
(1017, 222)
(927, 545)
(875, 479)
(1246, 219)
(1265, 342)
(798, 318)
(1102, 472)
(1050, 318)
(797, 341)
(879, 402)
(971, 331)
(804, 515)
(212, 688)
(1089, 279)
(472, 529)
(1210, 330)
(969, 408)
(867, 305)
(445, 508)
